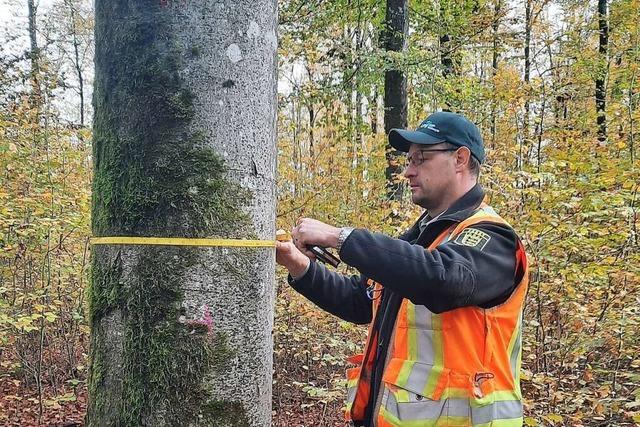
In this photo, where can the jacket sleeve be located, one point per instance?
(454, 274)
(340, 295)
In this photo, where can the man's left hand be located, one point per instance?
(311, 232)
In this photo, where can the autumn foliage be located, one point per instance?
(572, 197)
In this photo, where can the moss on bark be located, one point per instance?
(164, 363)
(153, 176)
(152, 171)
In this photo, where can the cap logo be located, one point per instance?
(429, 125)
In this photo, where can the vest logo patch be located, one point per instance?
(473, 238)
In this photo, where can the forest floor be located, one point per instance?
(308, 390)
(310, 348)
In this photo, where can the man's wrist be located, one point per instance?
(342, 236)
(300, 269)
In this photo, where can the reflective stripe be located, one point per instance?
(405, 406)
(511, 422)
(423, 317)
(352, 385)
(351, 395)
(458, 408)
(504, 409)
(424, 339)
(433, 379)
(418, 380)
(515, 347)
(412, 338)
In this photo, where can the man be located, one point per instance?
(444, 301)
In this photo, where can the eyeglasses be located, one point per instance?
(417, 158)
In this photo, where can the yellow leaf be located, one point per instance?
(554, 418)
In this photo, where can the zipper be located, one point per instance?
(380, 316)
(378, 399)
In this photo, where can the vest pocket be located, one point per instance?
(401, 406)
(412, 392)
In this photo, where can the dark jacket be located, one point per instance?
(450, 276)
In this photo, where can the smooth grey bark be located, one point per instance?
(184, 146)
(394, 39)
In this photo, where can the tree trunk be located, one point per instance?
(34, 54)
(184, 146)
(394, 39)
(601, 89)
(77, 61)
(446, 60)
(495, 25)
(528, 23)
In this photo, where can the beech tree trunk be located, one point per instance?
(184, 146)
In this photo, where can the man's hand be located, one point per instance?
(311, 232)
(288, 256)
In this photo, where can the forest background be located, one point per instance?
(559, 114)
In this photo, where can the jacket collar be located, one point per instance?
(460, 210)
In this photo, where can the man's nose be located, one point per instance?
(409, 170)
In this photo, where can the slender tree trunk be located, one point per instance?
(449, 60)
(631, 107)
(34, 54)
(394, 39)
(601, 79)
(184, 146)
(446, 60)
(77, 62)
(373, 111)
(494, 66)
(528, 22)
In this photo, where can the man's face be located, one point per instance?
(431, 171)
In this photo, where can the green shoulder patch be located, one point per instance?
(473, 237)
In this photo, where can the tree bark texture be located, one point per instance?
(184, 146)
(394, 38)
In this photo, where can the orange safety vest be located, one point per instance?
(457, 368)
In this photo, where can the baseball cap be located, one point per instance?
(442, 126)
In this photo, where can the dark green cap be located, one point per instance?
(439, 127)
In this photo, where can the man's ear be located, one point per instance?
(462, 157)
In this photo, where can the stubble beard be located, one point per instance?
(421, 201)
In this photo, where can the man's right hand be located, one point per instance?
(290, 257)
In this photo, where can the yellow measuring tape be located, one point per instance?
(182, 241)
(281, 236)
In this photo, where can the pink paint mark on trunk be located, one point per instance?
(206, 320)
